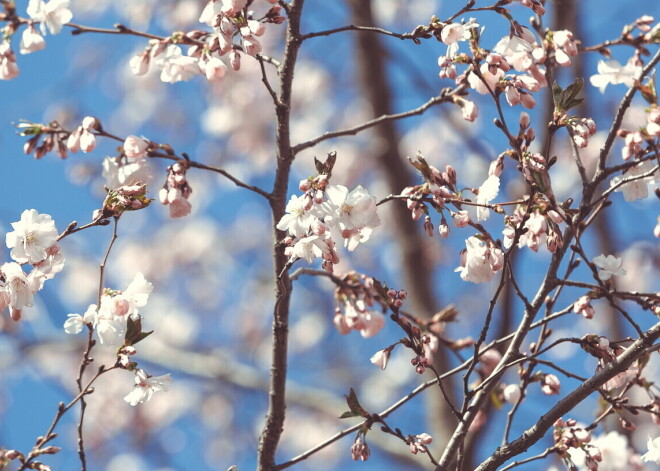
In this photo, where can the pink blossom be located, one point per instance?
(52, 15)
(134, 147)
(146, 386)
(480, 261)
(550, 385)
(490, 79)
(583, 306)
(8, 66)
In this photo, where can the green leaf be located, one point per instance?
(348, 414)
(354, 405)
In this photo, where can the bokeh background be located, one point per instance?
(213, 287)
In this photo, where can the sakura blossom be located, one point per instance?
(8, 66)
(176, 67)
(511, 393)
(75, 322)
(135, 147)
(637, 180)
(146, 386)
(480, 261)
(380, 358)
(32, 236)
(487, 192)
(118, 173)
(52, 15)
(18, 292)
(551, 385)
(612, 72)
(653, 453)
(609, 265)
(31, 40)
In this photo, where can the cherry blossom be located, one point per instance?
(75, 322)
(653, 455)
(298, 219)
(511, 393)
(32, 236)
(583, 306)
(637, 188)
(146, 386)
(135, 147)
(380, 358)
(611, 71)
(551, 385)
(17, 289)
(53, 14)
(354, 210)
(609, 265)
(176, 67)
(480, 261)
(117, 173)
(8, 66)
(31, 40)
(487, 192)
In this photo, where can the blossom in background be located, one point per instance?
(135, 147)
(146, 386)
(653, 455)
(609, 265)
(480, 260)
(32, 236)
(551, 385)
(51, 15)
(511, 393)
(117, 173)
(611, 71)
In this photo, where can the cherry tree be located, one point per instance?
(414, 235)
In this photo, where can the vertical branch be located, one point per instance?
(272, 431)
(417, 267)
(86, 359)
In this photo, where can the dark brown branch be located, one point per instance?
(370, 29)
(536, 432)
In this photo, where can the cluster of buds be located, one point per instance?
(360, 449)
(468, 108)
(535, 170)
(567, 434)
(418, 443)
(535, 5)
(583, 306)
(124, 198)
(176, 190)
(541, 227)
(550, 384)
(124, 357)
(598, 347)
(83, 138)
(438, 186)
(56, 138)
(582, 130)
(7, 456)
(396, 298)
(420, 362)
(564, 45)
(356, 297)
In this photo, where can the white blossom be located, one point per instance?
(487, 192)
(611, 71)
(653, 455)
(298, 219)
(609, 265)
(53, 14)
(176, 67)
(17, 286)
(32, 236)
(146, 386)
(480, 261)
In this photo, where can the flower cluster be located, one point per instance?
(568, 435)
(50, 16)
(33, 241)
(356, 296)
(480, 260)
(541, 226)
(229, 19)
(418, 443)
(117, 324)
(323, 215)
(110, 320)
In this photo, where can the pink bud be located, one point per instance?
(235, 60)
